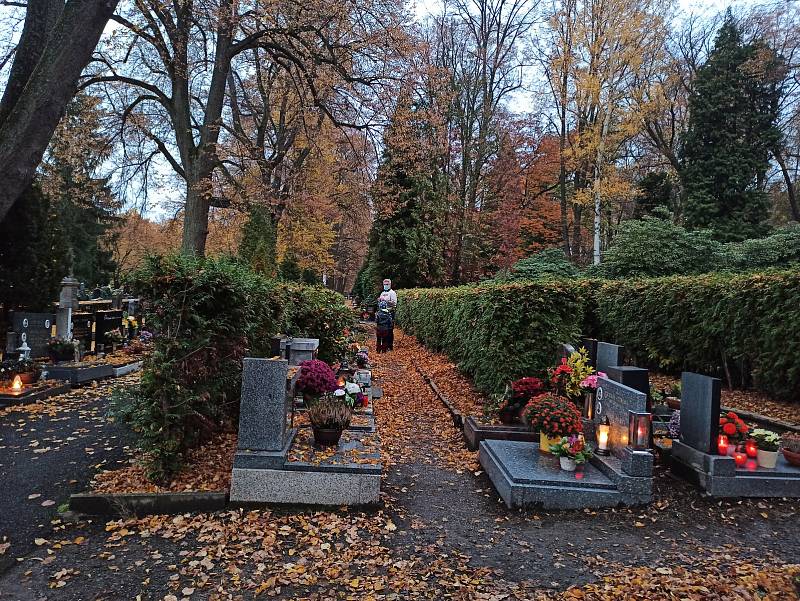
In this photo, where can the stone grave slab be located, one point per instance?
(79, 374)
(475, 432)
(300, 349)
(35, 329)
(32, 394)
(608, 355)
(524, 477)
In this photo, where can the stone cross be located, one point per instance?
(700, 400)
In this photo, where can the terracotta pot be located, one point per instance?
(30, 377)
(567, 464)
(327, 437)
(792, 458)
(545, 441)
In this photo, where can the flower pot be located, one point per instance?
(545, 441)
(327, 437)
(767, 459)
(673, 402)
(567, 464)
(30, 377)
(791, 457)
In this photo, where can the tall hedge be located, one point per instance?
(744, 329)
(207, 314)
(496, 332)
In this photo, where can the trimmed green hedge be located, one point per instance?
(744, 329)
(207, 315)
(496, 332)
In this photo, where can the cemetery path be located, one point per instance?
(441, 532)
(48, 451)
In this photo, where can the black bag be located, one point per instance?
(384, 320)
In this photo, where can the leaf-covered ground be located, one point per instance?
(441, 533)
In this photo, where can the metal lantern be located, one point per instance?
(603, 433)
(639, 430)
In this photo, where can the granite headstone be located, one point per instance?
(700, 401)
(34, 329)
(590, 344)
(265, 407)
(82, 329)
(632, 377)
(106, 321)
(615, 400)
(608, 355)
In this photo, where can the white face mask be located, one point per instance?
(386, 287)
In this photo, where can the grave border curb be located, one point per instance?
(143, 504)
(458, 418)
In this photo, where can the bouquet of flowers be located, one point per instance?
(572, 447)
(115, 336)
(554, 415)
(732, 426)
(589, 383)
(572, 375)
(316, 378)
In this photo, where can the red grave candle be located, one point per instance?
(751, 448)
(722, 444)
(740, 458)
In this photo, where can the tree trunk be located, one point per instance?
(35, 115)
(195, 216)
(789, 185)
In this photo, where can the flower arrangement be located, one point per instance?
(524, 389)
(60, 349)
(115, 336)
(767, 440)
(732, 426)
(674, 426)
(145, 337)
(316, 378)
(572, 447)
(329, 414)
(590, 382)
(553, 415)
(791, 442)
(362, 358)
(569, 376)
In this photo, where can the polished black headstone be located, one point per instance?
(608, 355)
(700, 400)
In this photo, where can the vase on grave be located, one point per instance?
(567, 464)
(546, 441)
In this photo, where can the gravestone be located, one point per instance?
(700, 401)
(590, 344)
(301, 349)
(632, 377)
(615, 400)
(608, 355)
(82, 329)
(34, 329)
(264, 414)
(106, 321)
(67, 303)
(566, 349)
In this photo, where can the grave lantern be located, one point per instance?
(639, 430)
(722, 444)
(751, 448)
(603, 432)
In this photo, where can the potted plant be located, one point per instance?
(522, 391)
(571, 451)
(553, 417)
(115, 337)
(732, 426)
(768, 442)
(673, 397)
(316, 378)
(28, 371)
(329, 417)
(567, 378)
(790, 444)
(60, 349)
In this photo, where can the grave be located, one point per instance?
(32, 393)
(300, 349)
(525, 477)
(35, 329)
(106, 321)
(83, 330)
(694, 456)
(275, 463)
(77, 373)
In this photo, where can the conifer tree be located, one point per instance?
(732, 126)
